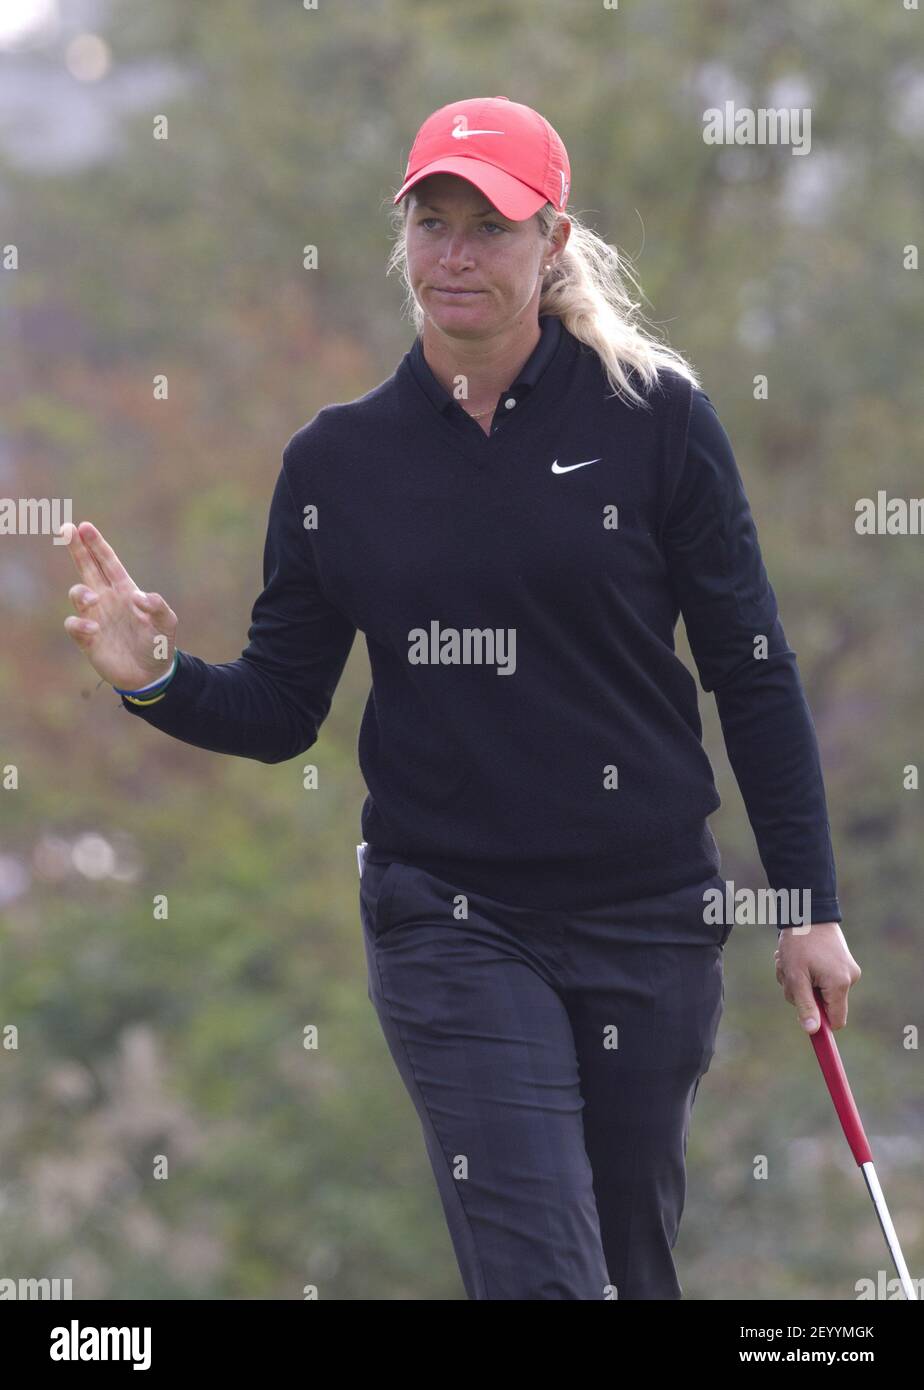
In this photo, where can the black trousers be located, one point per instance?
(553, 1060)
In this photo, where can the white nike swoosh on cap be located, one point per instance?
(557, 468)
(459, 134)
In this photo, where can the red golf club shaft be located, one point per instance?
(829, 1059)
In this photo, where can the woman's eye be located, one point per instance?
(424, 220)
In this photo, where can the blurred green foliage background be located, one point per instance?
(140, 1037)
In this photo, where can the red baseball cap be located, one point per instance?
(505, 149)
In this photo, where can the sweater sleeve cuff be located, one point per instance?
(179, 688)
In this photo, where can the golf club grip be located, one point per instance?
(829, 1059)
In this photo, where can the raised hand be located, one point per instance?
(118, 623)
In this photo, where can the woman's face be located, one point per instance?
(457, 240)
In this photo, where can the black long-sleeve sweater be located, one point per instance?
(530, 733)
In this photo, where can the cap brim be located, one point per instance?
(512, 198)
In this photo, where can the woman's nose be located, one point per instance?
(457, 249)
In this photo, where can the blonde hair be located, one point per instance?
(586, 289)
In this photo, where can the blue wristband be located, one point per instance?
(154, 685)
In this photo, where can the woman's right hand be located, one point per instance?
(118, 623)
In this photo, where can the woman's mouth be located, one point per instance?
(459, 294)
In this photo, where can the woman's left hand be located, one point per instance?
(816, 958)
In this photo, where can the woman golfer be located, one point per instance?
(514, 520)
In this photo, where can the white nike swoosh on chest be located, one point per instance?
(557, 468)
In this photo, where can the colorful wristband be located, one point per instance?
(157, 689)
(132, 701)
